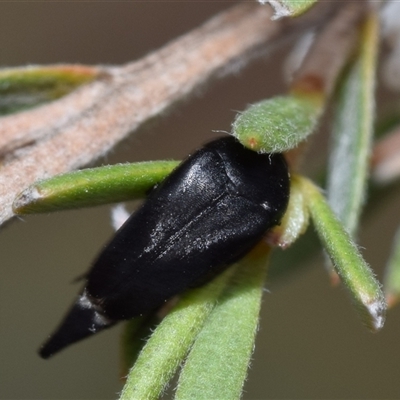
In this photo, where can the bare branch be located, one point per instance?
(330, 51)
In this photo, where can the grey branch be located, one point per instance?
(80, 127)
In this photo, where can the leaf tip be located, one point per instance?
(25, 199)
(252, 143)
(295, 220)
(280, 9)
(377, 313)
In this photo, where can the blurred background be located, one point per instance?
(311, 343)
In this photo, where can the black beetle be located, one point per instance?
(207, 214)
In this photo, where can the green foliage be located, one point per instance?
(216, 366)
(292, 8)
(354, 272)
(22, 88)
(352, 133)
(92, 186)
(278, 124)
(210, 332)
(295, 221)
(171, 341)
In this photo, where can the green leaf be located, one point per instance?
(353, 130)
(292, 8)
(354, 272)
(22, 88)
(133, 335)
(296, 219)
(171, 341)
(217, 364)
(278, 124)
(92, 186)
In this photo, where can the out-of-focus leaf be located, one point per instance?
(290, 8)
(349, 162)
(26, 87)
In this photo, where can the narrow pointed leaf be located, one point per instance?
(217, 364)
(132, 341)
(354, 272)
(29, 86)
(171, 341)
(352, 140)
(92, 186)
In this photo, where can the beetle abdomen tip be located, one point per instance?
(81, 322)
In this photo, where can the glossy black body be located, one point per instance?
(207, 214)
